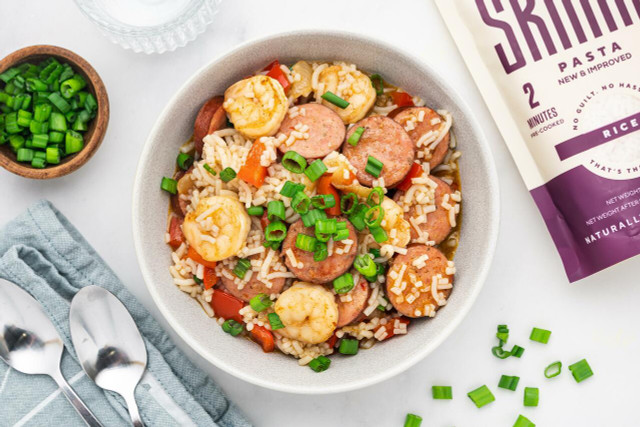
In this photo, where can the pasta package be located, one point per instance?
(562, 81)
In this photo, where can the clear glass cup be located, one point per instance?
(150, 26)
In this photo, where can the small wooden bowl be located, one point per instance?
(97, 127)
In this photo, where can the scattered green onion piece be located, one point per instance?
(42, 112)
(169, 185)
(365, 265)
(517, 351)
(355, 136)
(335, 100)
(374, 166)
(348, 203)
(320, 253)
(24, 155)
(227, 174)
(325, 228)
(310, 218)
(348, 346)
(523, 421)
(38, 162)
(379, 234)
(413, 420)
(500, 353)
(581, 370)
(442, 392)
(320, 364)
(481, 396)
(91, 104)
(16, 142)
(67, 72)
(376, 192)
(357, 217)
(260, 302)
(323, 201)
(305, 243)
(540, 335)
(9, 74)
(289, 189)
(502, 334)
(343, 284)
(275, 210)
(24, 118)
(255, 211)
(58, 122)
(241, 268)
(73, 142)
(373, 216)
(300, 203)
(184, 161)
(275, 232)
(341, 235)
(209, 169)
(531, 396)
(315, 170)
(294, 162)
(509, 383)
(71, 86)
(11, 123)
(553, 370)
(232, 327)
(53, 155)
(378, 83)
(38, 128)
(197, 280)
(36, 85)
(59, 102)
(274, 321)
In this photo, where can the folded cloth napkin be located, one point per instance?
(45, 255)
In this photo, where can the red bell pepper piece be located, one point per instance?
(402, 99)
(194, 255)
(275, 72)
(264, 337)
(210, 279)
(226, 306)
(415, 171)
(176, 238)
(389, 326)
(324, 187)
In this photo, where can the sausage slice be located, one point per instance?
(318, 271)
(409, 118)
(385, 140)
(325, 128)
(210, 118)
(254, 286)
(349, 311)
(411, 293)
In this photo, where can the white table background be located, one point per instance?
(596, 318)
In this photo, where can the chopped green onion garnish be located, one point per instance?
(378, 83)
(38, 162)
(365, 266)
(341, 235)
(291, 188)
(357, 216)
(232, 327)
(275, 210)
(184, 161)
(310, 218)
(169, 185)
(320, 363)
(553, 370)
(227, 174)
(260, 302)
(209, 169)
(274, 321)
(197, 280)
(343, 284)
(373, 216)
(324, 228)
(531, 396)
(73, 142)
(379, 234)
(412, 420)
(70, 87)
(255, 211)
(241, 268)
(59, 102)
(323, 201)
(355, 136)
(315, 170)
(374, 166)
(348, 203)
(581, 370)
(275, 232)
(481, 396)
(53, 155)
(300, 203)
(441, 392)
(348, 346)
(25, 155)
(509, 383)
(305, 243)
(523, 421)
(375, 197)
(335, 100)
(57, 122)
(320, 253)
(502, 334)
(540, 335)
(517, 351)
(294, 162)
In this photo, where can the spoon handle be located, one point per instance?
(130, 398)
(75, 400)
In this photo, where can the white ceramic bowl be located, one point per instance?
(243, 358)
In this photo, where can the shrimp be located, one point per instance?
(301, 86)
(217, 228)
(351, 85)
(256, 106)
(309, 313)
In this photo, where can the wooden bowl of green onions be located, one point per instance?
(54, 112)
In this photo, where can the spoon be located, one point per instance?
(29, 342)
(108, 344)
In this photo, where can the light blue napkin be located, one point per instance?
(44, 254)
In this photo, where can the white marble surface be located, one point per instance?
(597, 318)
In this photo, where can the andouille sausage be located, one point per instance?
(318, 271)
(210, 118)
(435, 263)
(404, 115)
(385, 140)
(437, 225)
(253, 287)
(325, 128)
(349, 311)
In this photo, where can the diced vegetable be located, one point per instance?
(252, 172)
(531, 396)
(263, 337)
(540, 335)
(260, 302)
(442, 392)
(232, 327)
(226, 306)
(415, 171)
(413, 420)
(581, 370)
(227, 174)
(402, 99)
(390, 327)
(320, 364)
(194, 255)
(481, 396)
(209, 278)
(553, 370)
(275, 72)
(509, 383)
(335, 100)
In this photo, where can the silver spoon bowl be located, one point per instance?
(29, 342)
(108, 344)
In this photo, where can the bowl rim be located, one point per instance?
(412, 359)
(101, 120)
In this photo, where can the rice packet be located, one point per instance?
(562, 81)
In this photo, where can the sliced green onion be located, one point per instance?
(11, 123)
(16, 142)
(184, 161)
(169, 185)
(348, 346)
(375, 197)
(59, 102)
(255, 211)
(517, 351)
(24, 155)
(581, 370)
(348, 203)
(523, 421)
(42, 112)
(481, 396)
(509, 383)
(540, 335)
(500, 353)
(291, 188)
(241, 268)
(355, 136)
(294, 162)
(378, 83)
(38, 162)
(260, 302)
(24, 118)
(305, 243)
(324, 228)
(442, 392)
(341, 235)
(531, 396)
(274, 321)
(375, 252)
(357, 216)
(227, 174)
(553, 370)
(412, 420)
(232, 327)
(320, 253)
(91, 104)
(300, 203)
(323, 201)
(379, 234)
(320, 363)
(209, 169)
(52, 155)
(315, 170)
(197, 280)
(37, 127)
(343, 284)
(365, 265)
(275, 210)
(373, 216)
(58, 122)
(275, 232)
(73, 142)
(70, 87)
(310, 218)
(502, 334)
(374, 166)
(9, 74)
(36, 85)
(335, 100)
